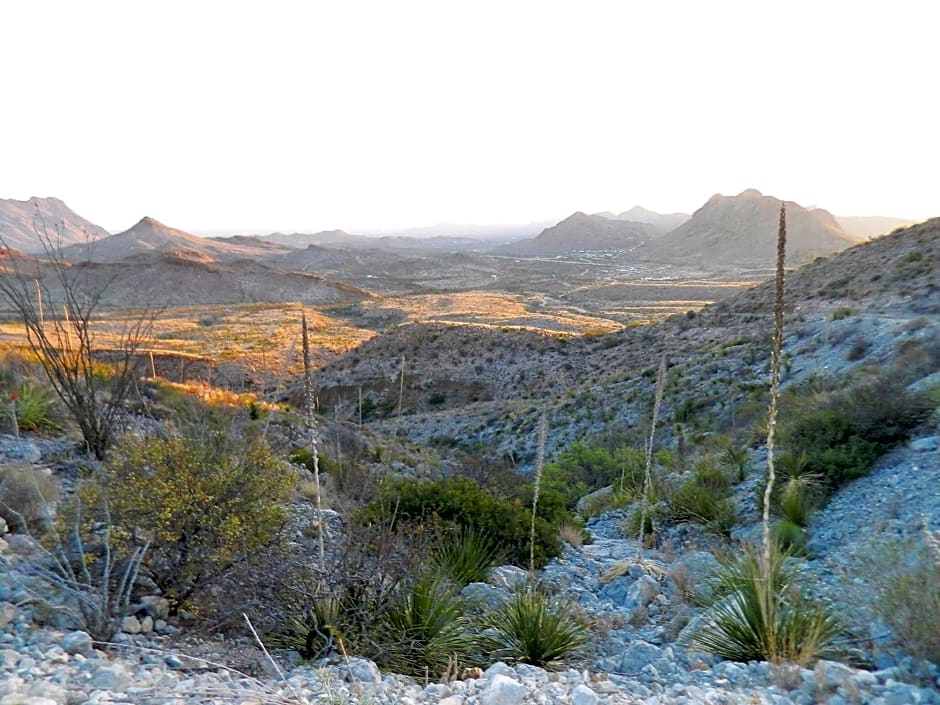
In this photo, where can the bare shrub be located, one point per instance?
(57, 304)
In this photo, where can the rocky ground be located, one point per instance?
(633, 659)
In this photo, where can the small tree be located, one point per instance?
(57, 303)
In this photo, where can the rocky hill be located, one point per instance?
(582, 232)
(735, 231)
(150, 235)
(22, 222)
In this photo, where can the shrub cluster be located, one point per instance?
(841, 434)
(460, 502)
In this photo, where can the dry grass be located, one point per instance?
(25, 495)
(571, 534)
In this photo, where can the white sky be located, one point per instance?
(312, 115)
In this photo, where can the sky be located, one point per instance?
(260, 116)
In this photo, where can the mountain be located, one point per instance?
(865, 226)
(733, 231)
(664, 222)
(583, 232)
(22, 221)
(152, 236)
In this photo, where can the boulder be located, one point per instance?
(503, 690)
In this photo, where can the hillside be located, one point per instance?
(21, 221)
(582, 232)
(735, 231)
(859, 303)
(150, 235)
(168, 279)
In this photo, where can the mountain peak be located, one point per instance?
(750, 193)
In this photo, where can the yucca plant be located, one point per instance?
(424, 630)
(796, 502)
(759, 613)
(467, 554)
(530, 628)
(791, 537)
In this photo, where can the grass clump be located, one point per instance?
(36, 406)
(530, 628)
(759, 614)
(704, 499)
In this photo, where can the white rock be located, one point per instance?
(130, 625)
(582, 695)
(363, 670)
(508, 576)
(503, 690)
(76, 643)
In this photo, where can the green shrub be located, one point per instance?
(704, 499)
(530, 628)
(208, 504)
(581, 469)
(791, 537)
(459, 502)
(795, 502)
(841, 434)
(762, 615)
(424, 627)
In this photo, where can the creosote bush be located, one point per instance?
(207, 504)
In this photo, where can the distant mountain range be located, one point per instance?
(726, 232)
(23, 224)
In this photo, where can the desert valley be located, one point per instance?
(378, 446)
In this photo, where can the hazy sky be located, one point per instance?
(312, 115)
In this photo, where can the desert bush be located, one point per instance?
(530, 628)
(904, 577)
(26, 497)
(791, 537)
(581, 469)
(209, 504)
(462, 503)
(762, 615)
(842, 433)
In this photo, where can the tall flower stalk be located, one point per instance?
(310, 421)
(539, 464)
(648, 470)
(774, 381)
